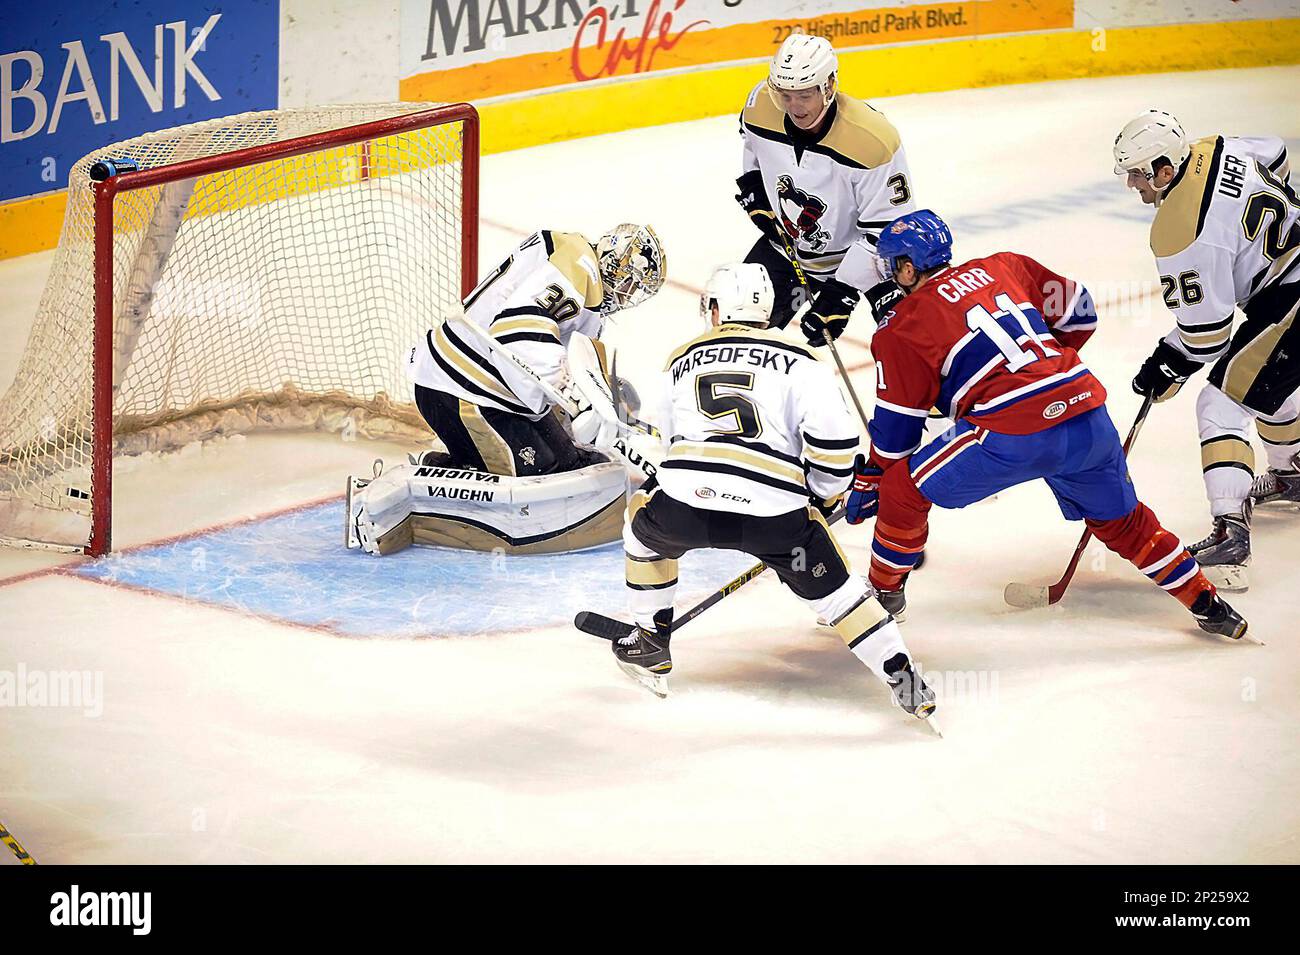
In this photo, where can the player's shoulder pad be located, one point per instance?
(574, 258)
(861, 134)
(1181, 215)
(761, 112)
(741, 335)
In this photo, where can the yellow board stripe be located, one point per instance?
(537, 117)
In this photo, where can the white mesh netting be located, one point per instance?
(278, 295)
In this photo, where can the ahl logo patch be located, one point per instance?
(1054, 410)
(705, 492)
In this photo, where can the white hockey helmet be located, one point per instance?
(1153, 135)
(632, 265)
(742, 292)
(803, 62)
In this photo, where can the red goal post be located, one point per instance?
(235, 287)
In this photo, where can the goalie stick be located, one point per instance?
(634, 460)
(610, 628)
(1027, 596)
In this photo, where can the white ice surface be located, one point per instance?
(1102, 730)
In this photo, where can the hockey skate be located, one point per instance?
(1215, 615)
(1277, 487)
(1225, 552)
(645, 657)
(895, 601)
(910, 689)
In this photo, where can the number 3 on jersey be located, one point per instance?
(729, 404)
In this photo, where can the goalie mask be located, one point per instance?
(1152, 136)
(742, 293)
(632, 266)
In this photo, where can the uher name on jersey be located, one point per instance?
(834, 190)
(993, 342)
(543, 292)
(1227, 234)
(758, 424)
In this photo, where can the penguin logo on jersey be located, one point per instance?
(808, 210)
(528, 455)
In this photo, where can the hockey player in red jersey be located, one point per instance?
(993, 343)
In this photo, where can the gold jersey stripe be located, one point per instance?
(1287, 432)
(1228, 449)
(828, 457)
(575, 259)
(468, 367)
(650, 573)
(543, 325)
(755, 460)
(860, 619)
(491, 447)
(1178, 218)
(1245, 366)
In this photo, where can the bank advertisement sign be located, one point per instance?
(77, 75)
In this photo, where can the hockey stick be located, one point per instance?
(826, 334)
(1027, 596)
(15, 847)
(610, 628)
(634, 459)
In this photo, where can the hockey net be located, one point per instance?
(261, 271)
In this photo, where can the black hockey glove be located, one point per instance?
(1164, 372)
(831, 307)
(753, 199)
(826, 505)
(882, 298)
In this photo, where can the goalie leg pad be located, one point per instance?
(474, 510)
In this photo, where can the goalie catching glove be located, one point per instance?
(1164, 373)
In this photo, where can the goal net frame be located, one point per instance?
(111, 184)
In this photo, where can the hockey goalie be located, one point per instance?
(522, 470)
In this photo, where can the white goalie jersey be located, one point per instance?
(832, 192)
(544, 291)
(756, 423)
(1227, 228)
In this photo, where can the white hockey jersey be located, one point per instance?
(757, 423)
(544, 291)
(832, 191)
(1226, 229)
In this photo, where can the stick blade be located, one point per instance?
(1026, 596)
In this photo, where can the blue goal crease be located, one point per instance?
(293, 567)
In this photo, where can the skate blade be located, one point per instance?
(1234, 578)
(931, 723)
(656, 683)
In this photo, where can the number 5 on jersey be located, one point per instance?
(744, 414)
